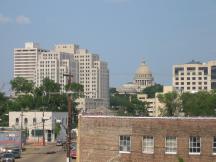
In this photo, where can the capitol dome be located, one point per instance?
(143, 69)
(143, 76)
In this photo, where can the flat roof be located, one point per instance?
(133, 117)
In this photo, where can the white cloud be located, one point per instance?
(23, 20)
(4, 19)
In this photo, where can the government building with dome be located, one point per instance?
(143, 78)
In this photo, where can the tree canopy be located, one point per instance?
(150, 91)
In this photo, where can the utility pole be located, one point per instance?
(43, 120)
(21, 128)
(69, 100)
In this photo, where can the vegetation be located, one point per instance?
(150, 91)
(191, 104)
(127, 105)
(172, 103)
(46, 97)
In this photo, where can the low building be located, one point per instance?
(32, 122)
(146, 139)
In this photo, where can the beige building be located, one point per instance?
(142, 78)
(154, 106)
(93, 73)
(194, 76)
(53, 65)
(25, 61)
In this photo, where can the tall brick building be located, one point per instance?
(146, 139)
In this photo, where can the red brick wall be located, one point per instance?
(98, 139)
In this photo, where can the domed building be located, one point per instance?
(143, 77)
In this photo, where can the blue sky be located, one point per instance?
(122, 32)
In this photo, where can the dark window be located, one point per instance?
(188, 83)
(182, 83)
(177, 78)
(213, 72)
(190, 68)
(204, 69)
(188, 78)
(213, 85)
(200, 78)
(177, 83)
(193, 78)
(182, 78)
(178, 69)
(193, 83)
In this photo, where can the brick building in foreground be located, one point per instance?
(146, 139)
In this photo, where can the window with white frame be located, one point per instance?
(171, 145)
(194, 145)
(125, 143)
(214, 145)
(148, 144)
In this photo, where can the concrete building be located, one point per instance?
(53, 65)
(142, 78)
(194, 76)
(25, 61)
(154, 106)
(93, 73)
(32, 121)
(146, 139)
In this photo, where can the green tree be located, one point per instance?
(172, 103)
(21, 85)
(3, 110)
(128, 105)
(150, 91)
(199, 104)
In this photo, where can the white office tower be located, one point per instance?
(53, 65)
(93, 73)
(194, 76)
(25, 61)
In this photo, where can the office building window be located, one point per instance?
(214, 145)
(125, 144)
(17, 121)
(148, 144)
(34, 121)
(194, 145)
(171, 145)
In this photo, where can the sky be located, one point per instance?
(122, 32)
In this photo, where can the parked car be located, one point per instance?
(8, 157)
(17, 152)
(59, 143)
(73, 150)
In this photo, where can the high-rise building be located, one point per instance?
(35, 64)
(194, 76)
(25, 61)
(93, 73)
(53, 65)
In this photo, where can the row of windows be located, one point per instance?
(189, 83)
(170, 144)
(191, 88)
(191, 78)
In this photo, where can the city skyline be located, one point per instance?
(122, 32)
